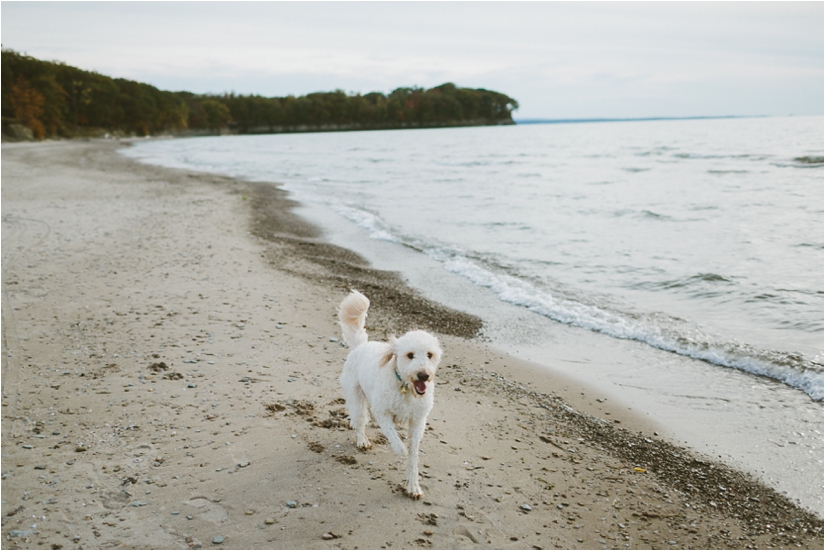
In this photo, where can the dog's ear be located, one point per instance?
(388, 357)
(438, 353)
(390, 353)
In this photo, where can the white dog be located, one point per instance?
(394, 380)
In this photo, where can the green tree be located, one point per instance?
(56, 99)
(216, 114)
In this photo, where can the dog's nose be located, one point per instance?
(422, 376)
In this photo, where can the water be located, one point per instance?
(702, 238)
(676, 266)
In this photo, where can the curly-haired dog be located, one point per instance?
(394, 380)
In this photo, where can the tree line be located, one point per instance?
(52, 99)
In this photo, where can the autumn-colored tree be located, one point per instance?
(28, 106)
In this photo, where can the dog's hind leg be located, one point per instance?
(359, 415)
(387, 424)
(417, 427)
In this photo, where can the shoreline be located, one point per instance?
(765, 428)
(108, 262)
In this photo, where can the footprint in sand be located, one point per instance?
(211, 511)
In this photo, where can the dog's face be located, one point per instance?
(417, 355)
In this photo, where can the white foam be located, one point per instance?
(793, 372)
(370, 222)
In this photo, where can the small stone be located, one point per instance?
(81, 449)
(27, 446)
(218, 539)
(249, 512)
(138, 503)
(40, 467)
(526, 507)
(291, 504)
(269, 521)
(19, 533)
(175, 513)
(328, 536)
(428, 532)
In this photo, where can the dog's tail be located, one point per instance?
(352, 316)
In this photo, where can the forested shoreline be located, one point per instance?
(47, 99)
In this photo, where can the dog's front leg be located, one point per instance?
(417, 428)
(387, 424)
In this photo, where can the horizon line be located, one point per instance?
(636, 119)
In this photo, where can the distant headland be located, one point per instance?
(43, 99)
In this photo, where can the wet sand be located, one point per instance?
(170, 365)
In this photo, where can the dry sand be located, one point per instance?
(169, 378)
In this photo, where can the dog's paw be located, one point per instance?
(364, 444)
(415, 493)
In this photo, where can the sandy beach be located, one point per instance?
(170, 380)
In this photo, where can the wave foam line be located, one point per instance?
(368, 221)
(789, 369)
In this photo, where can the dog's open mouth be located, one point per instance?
(420, 387)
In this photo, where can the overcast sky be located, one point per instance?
(558, 59)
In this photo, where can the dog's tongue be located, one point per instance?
(420, 386)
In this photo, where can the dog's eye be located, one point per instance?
(411, 355)
(430, 355)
